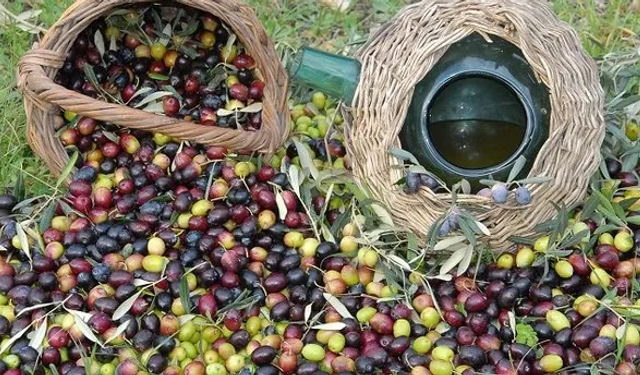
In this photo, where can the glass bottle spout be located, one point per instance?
(332, 74)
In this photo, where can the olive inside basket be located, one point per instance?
(189, 69)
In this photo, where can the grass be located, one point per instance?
(291, 23)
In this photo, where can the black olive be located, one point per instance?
(143, 340)
(164, 344)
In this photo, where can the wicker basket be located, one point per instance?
(401, 53)
(43, 98)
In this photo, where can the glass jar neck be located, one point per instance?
(332, 74)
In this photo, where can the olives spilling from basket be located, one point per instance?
(182, 264)
(178, 62)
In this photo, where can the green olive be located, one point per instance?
(401, 327)
(202, 207)
(154, 263)
(190, 349)
(551, 363)
(313, 352)
(422, 345)
(440, 367)
(216, 369)
(235, 363)
(564, 269)
(12, 361)
(443, 353)
(430, 317)
(365, 314)
(107, 369)
(336, 342)
(557, 320)
(319, 100)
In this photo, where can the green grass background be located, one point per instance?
(604, 25)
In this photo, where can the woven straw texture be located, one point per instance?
(43, 98)
(402, 52)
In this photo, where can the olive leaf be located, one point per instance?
(417, 169)
(113, 43)
(382, 213)
(446, 277)
(535, 180)
(522, 240)
(465, 227)
(98, 40)
(334, 326)
(142, 91)
(186, 318)
(517, 168)
(403, 155)
(47, 216)
(192, 53)
(112, 137)
(232, 39)
(252, 108)
(326, 233)
(158, 76)
(340, 308)
(453, 260)
(24, 241)
(53, 369)
(294, 179)
(156, 108)
(85, 330)
(8, 344)
(121, 328)
(68, 168)
(140, 282)
(80, 314)
(91, 76)
(307, 312)
(153, 97)
(488, 182)
(36, 307)
(305, 159)
(512, 321)
(465, 186)
(38, 335)
(589, 207)
(165, 35)
(126, 306)
(19, 190)
(190, 28)
(282, 207)
(448, 242)
(400, 262)
(482, 229)
(157, 20)
(466, 261)
(172, 90)
(222, 112)
(184, 294)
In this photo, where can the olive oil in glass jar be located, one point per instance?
(476, 111)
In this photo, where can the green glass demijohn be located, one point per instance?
(476, 111)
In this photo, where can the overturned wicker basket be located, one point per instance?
(401, 53)
(43, 98)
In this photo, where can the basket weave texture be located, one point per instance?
(43, 98)
(402, 52)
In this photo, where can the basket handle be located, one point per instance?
(34, 83)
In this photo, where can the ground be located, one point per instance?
(604, 25)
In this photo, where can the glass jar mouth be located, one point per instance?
(519, 114)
